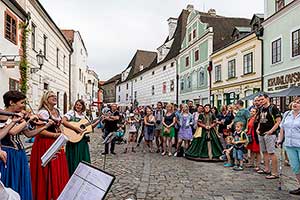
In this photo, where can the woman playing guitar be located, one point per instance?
(79, 151)
(49, 181)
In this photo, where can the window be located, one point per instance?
(119, 98)
(172, 64)
(64, 63)
(194, 33)
(189, 82)
(187, 61)
(279, 4)
(164, 88)
(164, 68)
(190, 37)
(141, 78)
(153, 90)
(119, 89)
(46, 86)
(10, 31)
(171, 85)
(276, 51)
(57, 96)
(126, 86)
(45, 46)
(57, 57)
(248, 63)
(218, 73)
(33, 28)
(13, 85)
(80, 74)
(153, 72)
(231, 69)
(182, 84)
(196, 55)
(141, 67)
(135, 94)
(296, 43)
(201, 77)
(126, 97)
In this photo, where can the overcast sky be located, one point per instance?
(114, 29)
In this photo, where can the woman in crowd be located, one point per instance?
(290, 131)
(132, 132)
(225, 118)
(253, 146)
(208, 146)
(49, 181)
(200, 110)
(186, 122)
(77, 152)
(149, 123)
(14, 164)
(168, 131)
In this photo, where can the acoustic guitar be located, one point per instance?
(75, 137)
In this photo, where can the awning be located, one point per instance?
(289, 92)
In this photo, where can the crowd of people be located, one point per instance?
(240, 137)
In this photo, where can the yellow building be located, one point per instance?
(237, 68)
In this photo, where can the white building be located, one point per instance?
(11, 15)
(79, 69)
(92, 86)
(143, 84)
(46, 37)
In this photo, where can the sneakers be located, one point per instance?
(170, 154)
(163, 153)
(238, 168)
(175, 154)
(228, 165)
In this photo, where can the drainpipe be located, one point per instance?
(70, 78)
(259, 34)
(177, 82)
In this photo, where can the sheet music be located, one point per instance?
(55, 147)
(86, 183)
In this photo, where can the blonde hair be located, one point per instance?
(241, 124)
(44, 100)
(185, 107)
(169, 105)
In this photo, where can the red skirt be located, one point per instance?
(47, 182)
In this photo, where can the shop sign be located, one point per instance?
(284, 81)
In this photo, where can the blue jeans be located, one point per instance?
(238, 154)
(294, 158)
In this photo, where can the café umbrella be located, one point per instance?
(252, 96)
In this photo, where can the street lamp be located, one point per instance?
(40, 60)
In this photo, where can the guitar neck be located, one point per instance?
(91, 122)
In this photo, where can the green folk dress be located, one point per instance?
(207, 147)
(77, 152)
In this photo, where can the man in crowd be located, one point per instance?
(191, 107)
(269, 120)
(111, 125)
(158, 114)
(241, 116)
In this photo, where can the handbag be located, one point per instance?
(198, 132)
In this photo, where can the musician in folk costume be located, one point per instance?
(14, 164)
(206, 146)
(78, 151)
(49, 181)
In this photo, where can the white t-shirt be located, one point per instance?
(72, 113)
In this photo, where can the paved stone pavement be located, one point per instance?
(151, 176)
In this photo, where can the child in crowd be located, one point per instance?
(239, 142)
(132, 132)
(227, 152)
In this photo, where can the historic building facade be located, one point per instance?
(281, 47)
(109, 89)
(236, 68)
(205, 33)
(11, 16)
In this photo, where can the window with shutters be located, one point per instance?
(13, 85)
(10, 31)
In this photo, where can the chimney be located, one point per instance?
(212, 12)
(172, 26)
(190, 7)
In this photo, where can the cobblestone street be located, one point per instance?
(151, 176)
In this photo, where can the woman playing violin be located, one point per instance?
(79, 151)
(49, 181)
(14, 164)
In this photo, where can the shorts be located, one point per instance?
(267, 143)
(238, 154)
(294, 158)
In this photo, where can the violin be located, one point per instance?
(5, 113)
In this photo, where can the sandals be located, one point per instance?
(262, 171)
(257, 169)
(272, 176)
